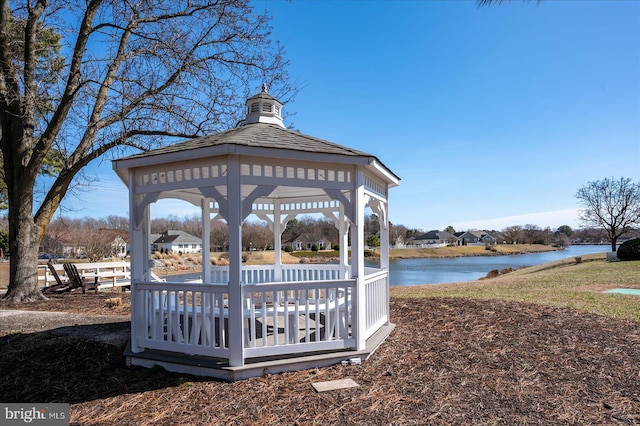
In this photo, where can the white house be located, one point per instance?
(176, 241)
(306, 242)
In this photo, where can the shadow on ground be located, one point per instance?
(74, 364)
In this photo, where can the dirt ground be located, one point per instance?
(4, 274)
(449, 361)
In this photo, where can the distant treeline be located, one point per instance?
(257, 235)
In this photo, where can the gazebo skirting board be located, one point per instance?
(254, 367)
(307, 316)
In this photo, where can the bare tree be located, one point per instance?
(192, 225)
(94, 243)
(119, 223)
(590, 235)
(121, 76)
(560, 239)
(256, 235)
(482, 3)
(162, 224)
(612, 205)
(513, 234)
(219, 236)
(52, 242)
(531, 233)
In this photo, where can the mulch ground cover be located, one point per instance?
(90, 303)
(449, 361)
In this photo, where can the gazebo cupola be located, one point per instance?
(245, 320)
(264, 108)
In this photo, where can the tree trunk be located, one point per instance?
(23, 261)
(614, 243)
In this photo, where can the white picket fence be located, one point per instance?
(109, 274)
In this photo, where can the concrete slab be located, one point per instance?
(334, 385)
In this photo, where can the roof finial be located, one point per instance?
(264, 87)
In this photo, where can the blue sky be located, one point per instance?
(491, 116)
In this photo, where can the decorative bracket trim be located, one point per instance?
(259, 191)
(149, 198)
(337, 195)
(223, 203)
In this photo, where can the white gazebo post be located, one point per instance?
(206, 240)
(278, 229)
(135, 246)
(146, 243)
(139, 224)
(234, 220)
(384, 243)
(343, 230)
(357, 259)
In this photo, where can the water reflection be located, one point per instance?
(447, 270)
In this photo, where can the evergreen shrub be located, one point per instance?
(629, 250)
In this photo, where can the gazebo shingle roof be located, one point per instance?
(259, 135)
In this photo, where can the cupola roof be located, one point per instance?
(264, 108)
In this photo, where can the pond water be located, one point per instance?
(448, 270)
(458, 269)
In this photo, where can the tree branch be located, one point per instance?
(11, 108)
(72, 85)
(63, 181)
(94, 125)
(29, 97)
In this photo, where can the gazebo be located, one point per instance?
(242, 321)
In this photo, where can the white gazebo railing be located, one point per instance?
(376, 290)
(291, 316)
(255, 274)
(296, 317)
(185, 318)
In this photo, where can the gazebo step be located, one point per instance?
(254, 367)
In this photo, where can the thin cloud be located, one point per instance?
(552, 219)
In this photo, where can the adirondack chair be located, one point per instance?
(77, 281)
(60, 286)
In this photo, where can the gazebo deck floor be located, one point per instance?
(254, 367)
